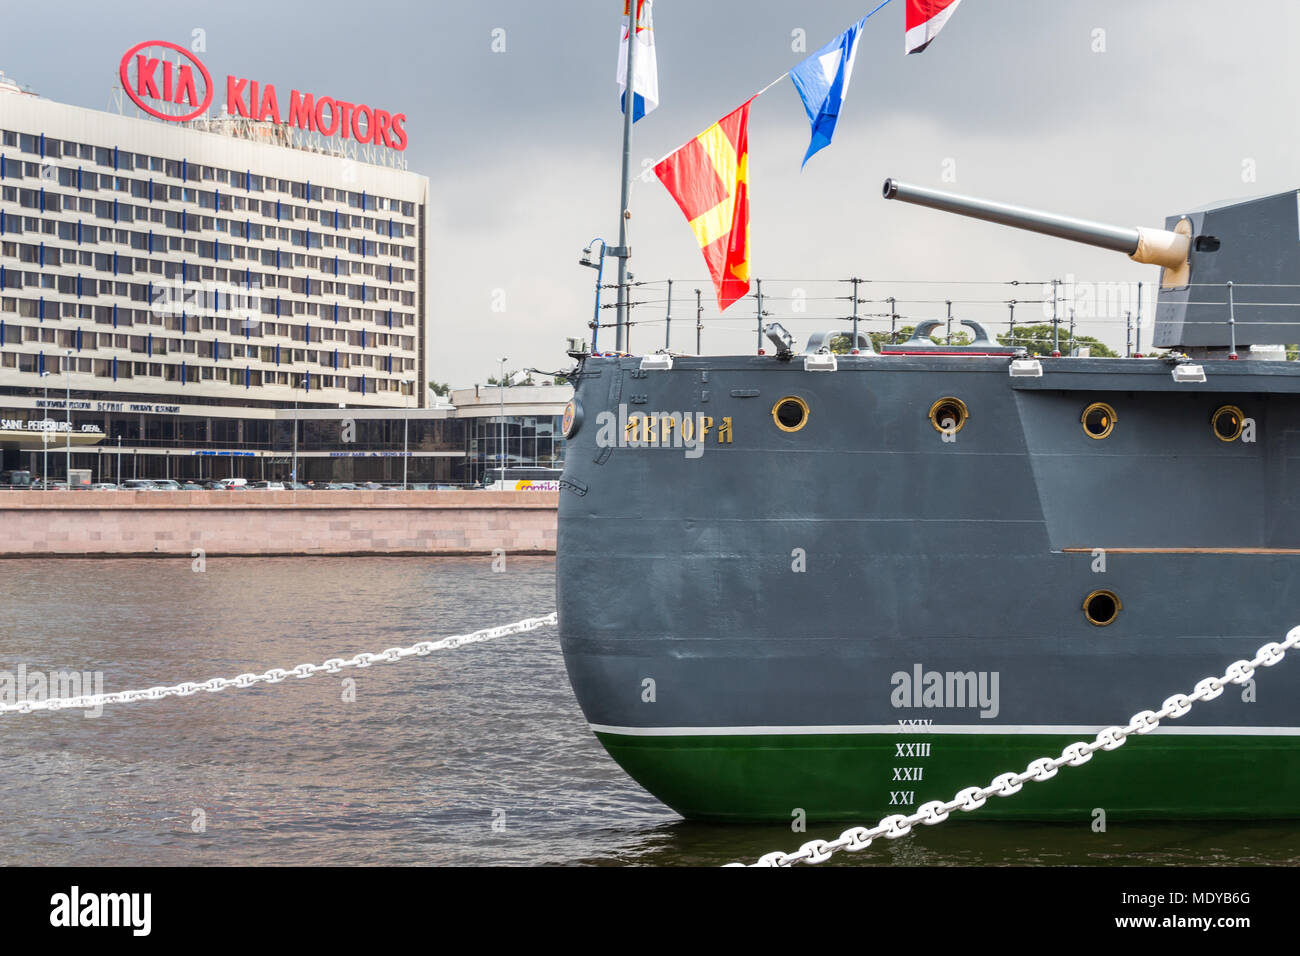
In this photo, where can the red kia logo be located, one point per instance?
(158, 79)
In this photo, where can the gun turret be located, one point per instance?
(1255, 246)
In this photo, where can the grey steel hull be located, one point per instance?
(767, 620)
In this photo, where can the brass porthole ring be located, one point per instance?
(1098, 420)
(948, 415)
(1102, 607)
(572, 419)
(790, 413)
(1227, 422)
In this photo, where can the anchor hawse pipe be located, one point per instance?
(1152, 246)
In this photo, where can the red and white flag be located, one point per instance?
(925, 18)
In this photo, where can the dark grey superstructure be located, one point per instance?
(857, 570)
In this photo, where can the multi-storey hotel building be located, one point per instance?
(193, 287)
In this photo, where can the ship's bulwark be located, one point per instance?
(859, 616)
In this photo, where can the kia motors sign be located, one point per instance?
(150, 80)
(177, 90)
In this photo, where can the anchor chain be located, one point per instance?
(856, 839)
(277, 674)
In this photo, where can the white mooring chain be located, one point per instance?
(277, 674)
(1076, 754)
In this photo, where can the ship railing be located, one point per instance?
(1064, 307)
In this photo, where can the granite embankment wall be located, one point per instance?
(145, 523)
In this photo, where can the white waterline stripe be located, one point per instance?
(827, 730)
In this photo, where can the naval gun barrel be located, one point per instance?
(1154, 246)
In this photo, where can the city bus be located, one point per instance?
(522, 479)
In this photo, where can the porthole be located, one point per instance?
(1098, 420)
(572, 420)
(948, 415)
(790, 413)
(1102, 607)
(1227, 422)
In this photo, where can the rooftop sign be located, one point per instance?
(156, 84)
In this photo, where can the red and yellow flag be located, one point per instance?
(709, 178)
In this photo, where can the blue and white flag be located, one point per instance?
(823, 81)
(645, 70)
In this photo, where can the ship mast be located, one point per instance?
(629, 104)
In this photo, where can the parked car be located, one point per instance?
(211, 484)
(166, 484)
(49, 484)
(103, 486)
(15, 479)
(231, 484)
(268, 486)
(191, 486)
(297, 486)
(340, 486)
(138, 484)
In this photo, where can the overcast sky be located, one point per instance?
(1122, 110)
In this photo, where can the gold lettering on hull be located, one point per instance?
(663, 429)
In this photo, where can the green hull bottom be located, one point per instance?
(863, 777)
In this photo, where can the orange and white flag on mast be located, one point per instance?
(709, 178)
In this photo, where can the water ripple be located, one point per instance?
(417, 770)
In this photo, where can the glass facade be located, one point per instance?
(514, 440)
(439, 447)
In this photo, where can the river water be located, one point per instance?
(473, 756)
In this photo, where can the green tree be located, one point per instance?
(439, 388)
(1038, 340)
